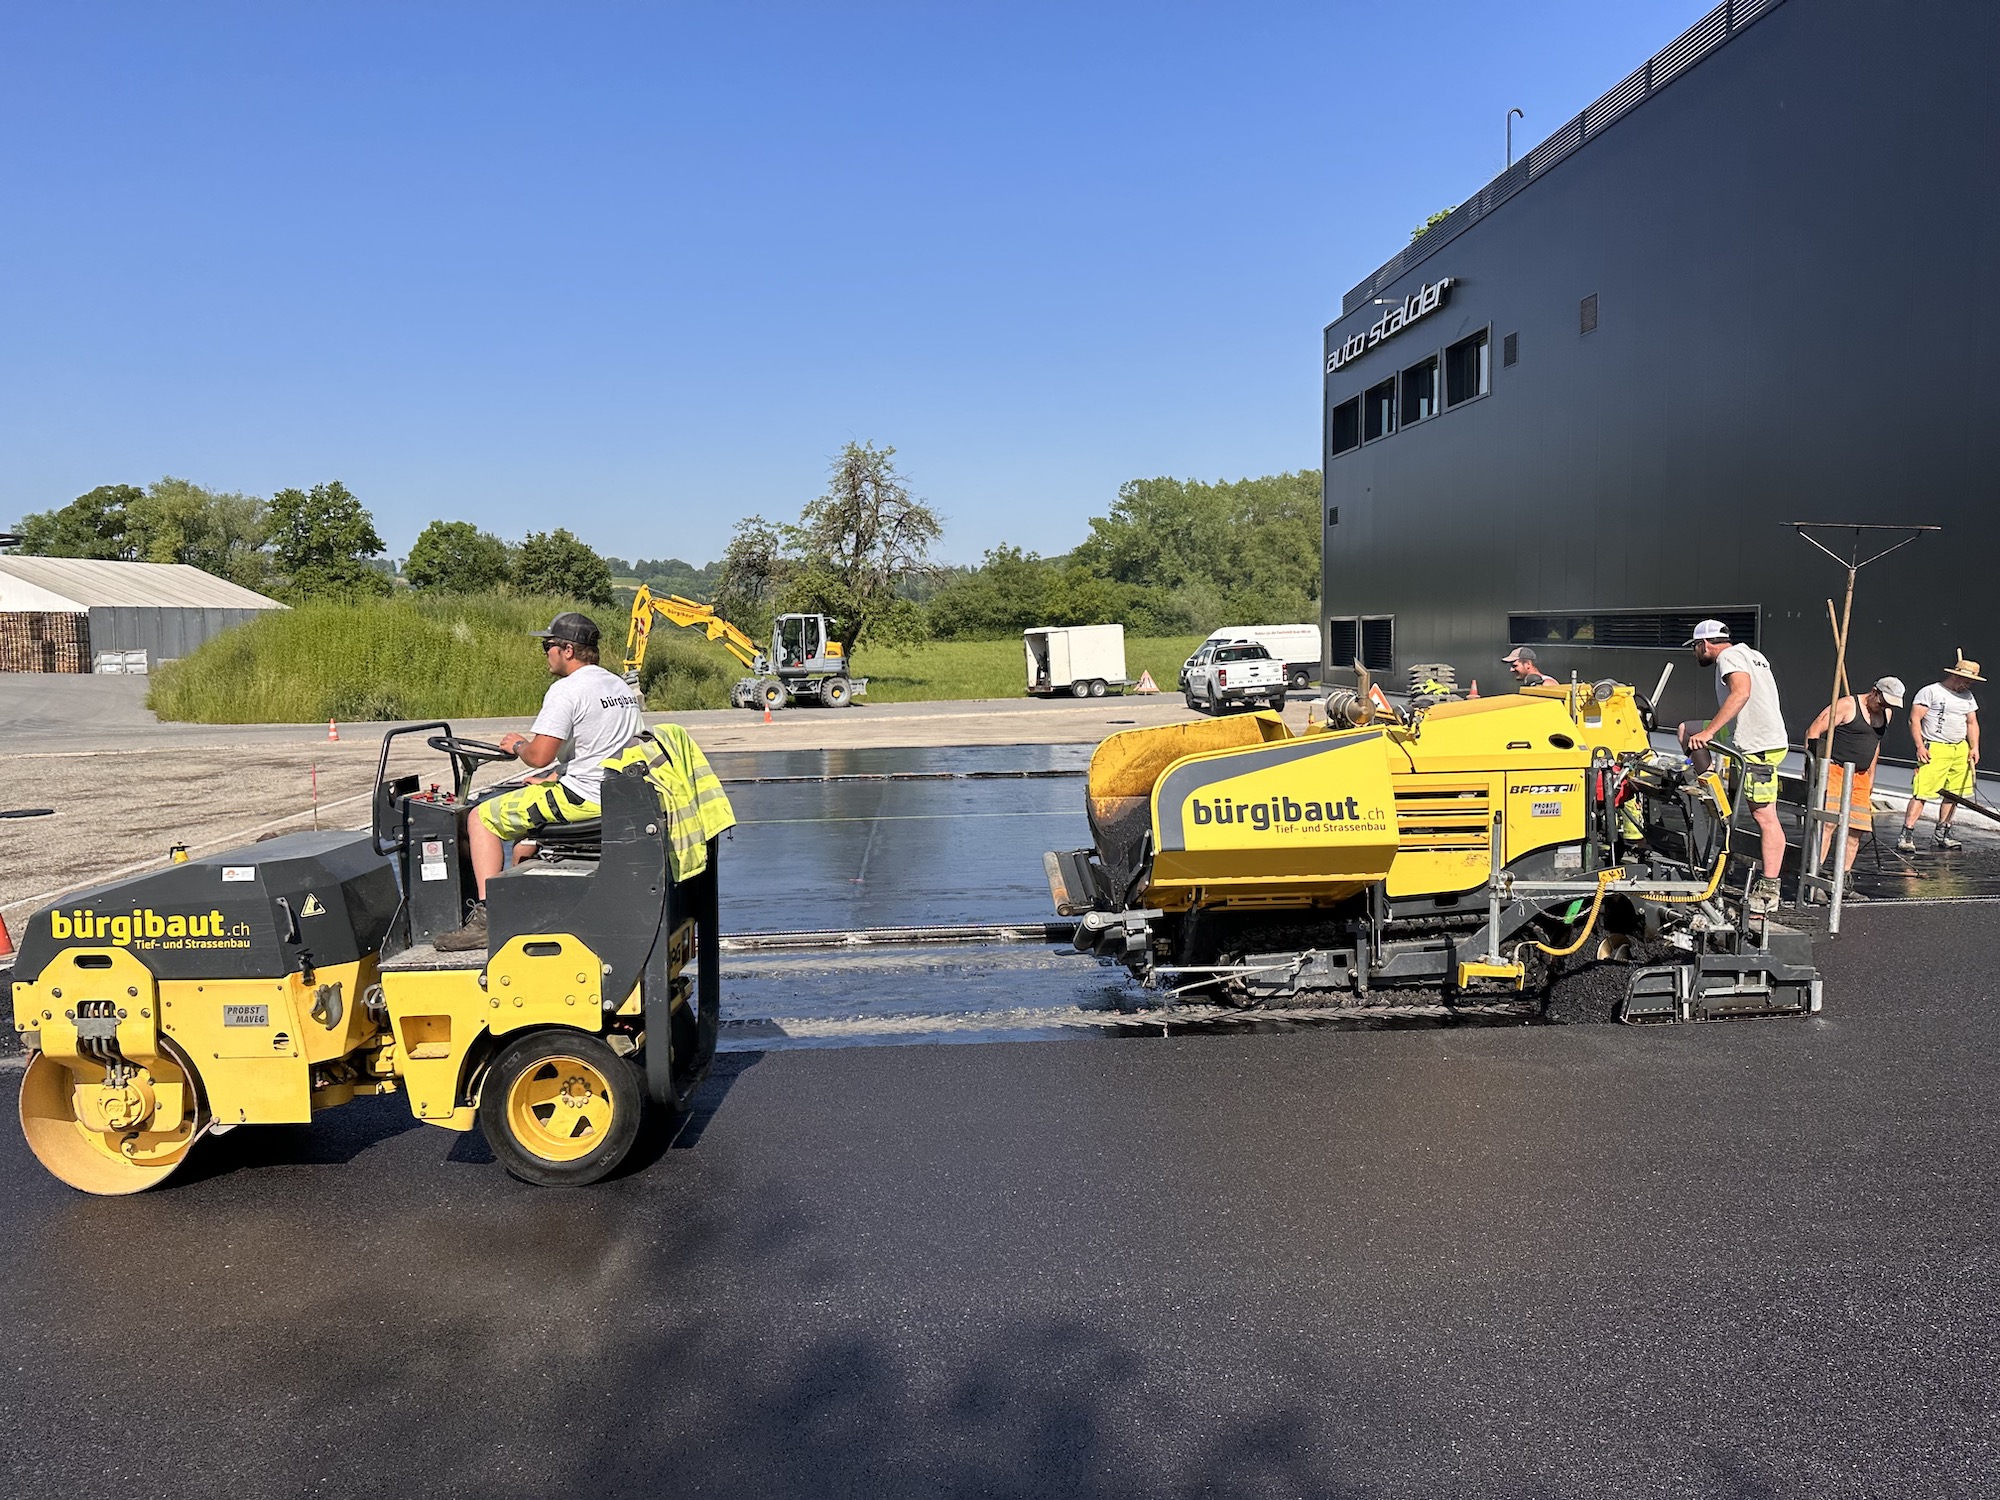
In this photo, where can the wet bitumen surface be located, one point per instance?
(1747, 1259)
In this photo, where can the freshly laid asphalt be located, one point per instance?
(1737, 1259)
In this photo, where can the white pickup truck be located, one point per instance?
(1235, 674)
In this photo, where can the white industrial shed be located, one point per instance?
(62, 614)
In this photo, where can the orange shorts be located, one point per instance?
(1860, 795)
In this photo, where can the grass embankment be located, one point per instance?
(404, 658)
(417, 658)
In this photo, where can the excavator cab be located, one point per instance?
(802, 643)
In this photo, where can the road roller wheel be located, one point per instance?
(73, 1125)
(560, 1108)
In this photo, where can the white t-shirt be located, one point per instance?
(595, 713)
(1944, 713)
(1761, 724)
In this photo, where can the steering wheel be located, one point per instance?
(472, 750)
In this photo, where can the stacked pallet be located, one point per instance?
(44, 641)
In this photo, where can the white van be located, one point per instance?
(1297, 646)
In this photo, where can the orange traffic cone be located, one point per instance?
(6, 941)
(332, 730)
(1475, 689)
(767, 713)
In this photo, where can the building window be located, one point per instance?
(1343, 642)
(1420, 391)
(1630, 630)
(1369, 639)
(1378, 410)
(1587, 314)
(1510, 350)
(1344, 427)
(1378, 642)
(1465, 369)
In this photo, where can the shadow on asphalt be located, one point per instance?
(338, 1137)
(334, 1138)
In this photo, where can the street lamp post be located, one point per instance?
(1510, 133)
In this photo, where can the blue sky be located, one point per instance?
(640, 270)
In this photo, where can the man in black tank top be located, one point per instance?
(1859, 722)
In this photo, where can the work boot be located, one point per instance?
(467, 939)
(1942, 839)
(1763, 897)
(1906, 844)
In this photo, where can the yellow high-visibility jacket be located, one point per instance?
(691, 794)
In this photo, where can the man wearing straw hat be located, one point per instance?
(1944, 721)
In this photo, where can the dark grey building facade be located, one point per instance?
(1754, 284)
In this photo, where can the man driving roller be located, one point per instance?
(585, 708)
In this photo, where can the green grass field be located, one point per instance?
(994, 669)
(416, 658)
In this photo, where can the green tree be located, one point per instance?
(319, 540)
(456, 557)
(853, 556)
(670, 575)
(999, 597)
(858, 544)
(754, 566)
(1012, 590)
(556, 562)
(96, 524)
(1242, 552)
(176, 521)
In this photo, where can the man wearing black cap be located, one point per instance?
(588, 709)
(1521, 660)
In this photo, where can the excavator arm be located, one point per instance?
(678, 611)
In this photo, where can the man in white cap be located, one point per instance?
(1747, 695)
(1521, 660)
(1944, 722)
(1859, 722)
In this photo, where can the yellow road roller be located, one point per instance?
(262, 985)
(1461, 854)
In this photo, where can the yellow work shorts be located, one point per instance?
(517, 814)
(1760, 775)
(1948, 770)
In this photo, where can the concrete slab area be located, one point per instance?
(1747, 1260)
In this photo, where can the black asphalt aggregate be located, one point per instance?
(1739, 1259)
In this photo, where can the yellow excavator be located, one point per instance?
(804, 665)
(1468, 853)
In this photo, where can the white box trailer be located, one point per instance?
(1083, 660)
(1297, 646)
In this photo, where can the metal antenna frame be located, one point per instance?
(1854, 562)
